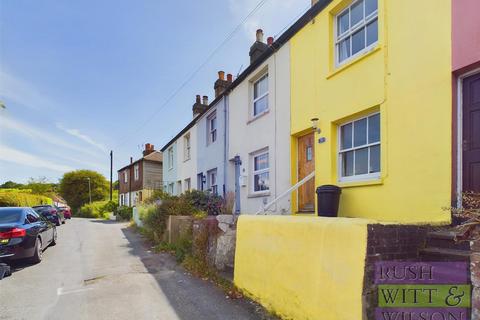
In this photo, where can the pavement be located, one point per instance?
(101, 269)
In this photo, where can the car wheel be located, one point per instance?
(54, 239)
(38, 255)
(57, 223)
(63, 222)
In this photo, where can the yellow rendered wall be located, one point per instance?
(407, 78)
(302, 267)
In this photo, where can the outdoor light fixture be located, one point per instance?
(315, 125)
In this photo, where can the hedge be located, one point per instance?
(21, 198)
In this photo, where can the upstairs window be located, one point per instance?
(170, 157)
(356, 29)
(260, 96)
(212, 127)
(125, 176)
(136, 172)
(359, 152)
(187, 147)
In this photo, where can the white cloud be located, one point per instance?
(76, 133)
(19, 157)
(7, 123)
(272, 17)
(19, 91)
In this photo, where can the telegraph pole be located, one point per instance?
(111, 175)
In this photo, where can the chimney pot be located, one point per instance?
(229, 77)
(270, 41)
(221, 75)
(260, 35)
(205, 100)
(198, 98)
(131, 160)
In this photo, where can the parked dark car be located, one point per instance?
(51, 214)
(24, 234)
(67, 212)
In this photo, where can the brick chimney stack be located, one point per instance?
(149, 148)
(221, 84)
(199, 107)
(258, 47)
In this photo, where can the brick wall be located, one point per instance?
(388, 242)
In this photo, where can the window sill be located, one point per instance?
(361, 183)
(259, 194)
(348, 64)
(258, 116)
(186, 160)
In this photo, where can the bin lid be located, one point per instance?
(329, 188)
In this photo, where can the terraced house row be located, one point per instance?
(358, 92)
(378, 97)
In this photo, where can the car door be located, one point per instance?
(40, 227)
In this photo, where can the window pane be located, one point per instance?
(360, 132)
(361, 161)
(343, 23)
(356, 13)
(374, 128)
(370, 6)
(372, 32)
(344, 49)
(374, 159)
(347, 164)
(261, 182)
(260, 105)
(346, 136)
(260, 87)
(261, 162)
(358, 41)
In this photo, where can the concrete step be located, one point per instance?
(446, 239)
(444, 254)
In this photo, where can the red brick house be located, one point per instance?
(140, 178)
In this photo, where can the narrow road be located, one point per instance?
(102, 270)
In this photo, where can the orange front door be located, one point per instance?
(306, 165)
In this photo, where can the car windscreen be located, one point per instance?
(44, 211)
(10, 216)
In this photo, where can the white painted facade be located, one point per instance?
(269, 131)
(186, 161)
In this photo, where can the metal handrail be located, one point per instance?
(293, 188)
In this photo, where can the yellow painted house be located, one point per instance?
(376, 73)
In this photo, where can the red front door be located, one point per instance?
(471, 134)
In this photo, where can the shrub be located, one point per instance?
(97, 209)
(125, 213)
(204, 201)
(21, 198)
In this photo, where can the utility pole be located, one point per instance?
(111, 175)
(89, 191)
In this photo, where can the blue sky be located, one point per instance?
(80, 78)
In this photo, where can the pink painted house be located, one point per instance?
(466, 97)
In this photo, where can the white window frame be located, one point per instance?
(188, 184)
(125, 176)
(171, 189)
(212, 132)
(136, 172)
(187, 147)
(358, 177)
(254, 100)
(254, 172)
(170, 158)
(351, 30)
(212, 181)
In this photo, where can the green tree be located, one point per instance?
(41, 186)
(74, 187)
(11, 185)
